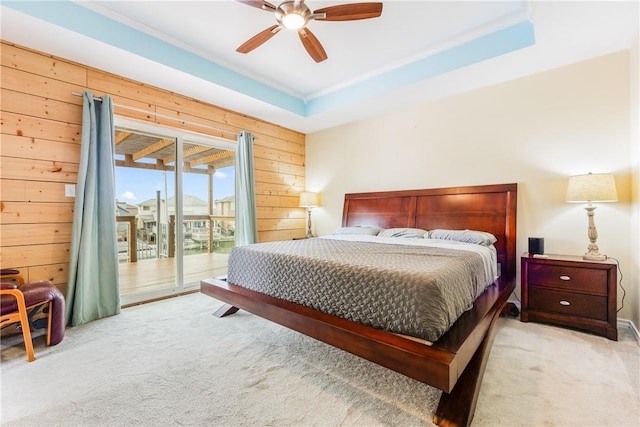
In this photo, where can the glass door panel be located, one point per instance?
(145, 209)
(208, 211)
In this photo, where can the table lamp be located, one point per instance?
(587, 189)
(309, 200)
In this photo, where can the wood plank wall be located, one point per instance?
(40, 123)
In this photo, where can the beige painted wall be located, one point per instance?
(634, 300)
(536, 131)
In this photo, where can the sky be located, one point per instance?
(134, 186)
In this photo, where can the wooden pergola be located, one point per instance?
(136, 146)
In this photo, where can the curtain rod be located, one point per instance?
(164, 116)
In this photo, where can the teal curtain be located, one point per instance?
(246, 222)
(93, 289)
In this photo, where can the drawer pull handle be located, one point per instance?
(563, 302)
(565, 277)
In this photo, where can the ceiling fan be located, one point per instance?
(295, 15)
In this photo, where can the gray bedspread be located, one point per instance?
(416, 291)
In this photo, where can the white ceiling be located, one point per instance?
(415, 52)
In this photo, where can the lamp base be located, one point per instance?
(309, 233)
(593, 252)
(594, 257)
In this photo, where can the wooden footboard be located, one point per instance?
(457, 408)
(440, 365)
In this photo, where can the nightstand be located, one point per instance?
(568, 291)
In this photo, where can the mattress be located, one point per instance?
(414, 287)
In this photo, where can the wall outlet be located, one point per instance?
(69, 190)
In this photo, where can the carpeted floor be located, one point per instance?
(173, 363)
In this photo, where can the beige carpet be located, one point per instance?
(173, 363)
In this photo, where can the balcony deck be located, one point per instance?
(155, 275)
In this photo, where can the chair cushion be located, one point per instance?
(38, 292)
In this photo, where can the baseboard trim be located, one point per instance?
(625, 323)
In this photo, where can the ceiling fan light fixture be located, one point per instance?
(293, 21)
(294, 15)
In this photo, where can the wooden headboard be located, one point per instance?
(490, 208)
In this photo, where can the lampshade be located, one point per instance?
(309, 200)
(592, 188)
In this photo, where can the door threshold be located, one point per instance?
(133, 304)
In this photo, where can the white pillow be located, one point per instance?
(410, 233)
(369, 231)
(468, 236)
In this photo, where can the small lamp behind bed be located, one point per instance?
(309, 200)
(592, 188)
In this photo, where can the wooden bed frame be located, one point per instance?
(456, 362)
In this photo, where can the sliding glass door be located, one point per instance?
(175, 209)
(208, 208)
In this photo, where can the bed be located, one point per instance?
(456, 360)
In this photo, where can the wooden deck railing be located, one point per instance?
(132, 238)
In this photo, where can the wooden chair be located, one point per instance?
(13, 312)
(11, 275)
(42, 296)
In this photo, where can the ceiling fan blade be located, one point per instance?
(260, 4)
(350, 12)
(258, 39)
(312, 45)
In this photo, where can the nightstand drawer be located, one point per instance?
(580, 279)
(569, 303)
